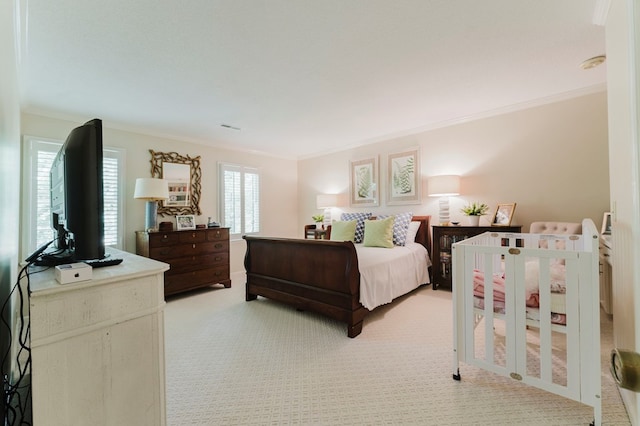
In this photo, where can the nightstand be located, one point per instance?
(314, 233)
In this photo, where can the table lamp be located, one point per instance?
(444, 186)
(152, 190)
(326, 202)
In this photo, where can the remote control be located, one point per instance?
(99, 263)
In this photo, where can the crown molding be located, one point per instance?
(600, 12)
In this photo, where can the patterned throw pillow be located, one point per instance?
(400, 226)
(360, 217)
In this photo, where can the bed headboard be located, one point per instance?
(424, 233)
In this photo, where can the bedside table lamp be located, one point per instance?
(152, 190)
(444, 186)
(326, 202)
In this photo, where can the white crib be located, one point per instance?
(500, 329)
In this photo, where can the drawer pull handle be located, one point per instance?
(193, 235)
(218, 245)
(194, 246)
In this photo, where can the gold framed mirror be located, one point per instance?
(183, 176)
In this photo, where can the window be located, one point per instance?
(37, 213)
(240, 199)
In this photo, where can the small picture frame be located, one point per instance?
(503, 214)
(187, 221)
(606, 224)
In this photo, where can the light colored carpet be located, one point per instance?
(231, 362)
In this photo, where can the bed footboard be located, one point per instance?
(315, 275)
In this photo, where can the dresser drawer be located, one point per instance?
(179, 282)
(182, 250)
(193, 263)
(218, 234)
(157, 239)
(220, 246)
(191, 236)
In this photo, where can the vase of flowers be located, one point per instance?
(473, 212)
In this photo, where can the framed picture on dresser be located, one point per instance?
(503, 214)
(187, 221)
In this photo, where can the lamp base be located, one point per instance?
(327, 217)
(151, 215)
(444, 211)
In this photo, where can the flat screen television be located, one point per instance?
(77, 198)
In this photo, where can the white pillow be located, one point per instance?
(412, 231)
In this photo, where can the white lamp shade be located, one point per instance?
(324, 201)
(151, 189)
(444, 185)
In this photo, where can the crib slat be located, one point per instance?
(545, 320)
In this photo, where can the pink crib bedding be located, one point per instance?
(531, 291)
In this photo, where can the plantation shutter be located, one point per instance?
(240, 199)
(43, 154)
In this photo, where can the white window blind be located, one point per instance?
(240, 199)
(42, 155)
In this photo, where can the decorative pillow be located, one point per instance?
(378, 233)
(360, 217)
(343, 230)
(412, 231)
(400, 226)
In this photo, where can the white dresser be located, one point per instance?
(97, 346)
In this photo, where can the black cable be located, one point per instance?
(17, 395)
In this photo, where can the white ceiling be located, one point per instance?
(300, 77)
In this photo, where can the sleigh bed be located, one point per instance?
(526, 306)
(325, 276)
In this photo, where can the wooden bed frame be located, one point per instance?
(315, 275)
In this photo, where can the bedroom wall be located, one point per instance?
(10, 195)
(278, 186)
(552, 160)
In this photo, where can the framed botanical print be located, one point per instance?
(363, 182)
(403, 184)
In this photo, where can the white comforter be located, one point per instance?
(387, 273)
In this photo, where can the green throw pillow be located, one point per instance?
(343, 230)
(379, 233)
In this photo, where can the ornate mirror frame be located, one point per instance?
(157, 161)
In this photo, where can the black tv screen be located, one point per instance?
(77, 198)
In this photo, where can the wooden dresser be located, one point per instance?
(198, 257)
